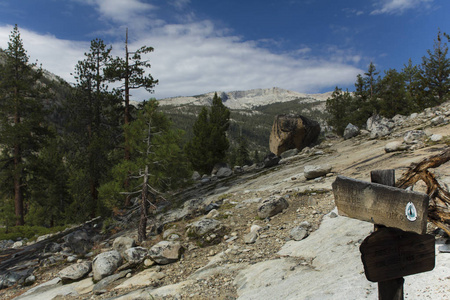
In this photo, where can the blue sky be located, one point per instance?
(308, 46)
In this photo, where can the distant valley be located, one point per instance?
(252, 111)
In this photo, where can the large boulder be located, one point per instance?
(105, 264)
(272, 206)
(166, 252)
(292, 131)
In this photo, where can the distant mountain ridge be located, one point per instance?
(247, 99)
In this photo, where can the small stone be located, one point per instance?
(436, 138)
(30, 280)
(444, 248)
(148, 262)
(250, 237)
(298, 233)
(255, 228)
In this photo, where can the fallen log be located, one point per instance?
(13, 257)
(439, 207)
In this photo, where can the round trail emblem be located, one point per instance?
(411, 212)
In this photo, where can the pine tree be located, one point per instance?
(339, 109)
(93, 129)
(210, 142)
(243, 155)
(132, 71)
(393, 95)
(411, 75)
(157, 163)
(435, 72)
(22, 124)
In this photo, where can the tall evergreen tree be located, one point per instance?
(93, 129)
(435, 72)
(210, 142)
(393, 95)
(411, 75)
(339, 110)
(22, 124)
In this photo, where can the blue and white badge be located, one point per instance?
(411, 212)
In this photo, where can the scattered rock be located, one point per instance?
(78, 241)
(298, 233)
(414, 136)
(219, 166)
(289, 153)
(123, 243)
(30, 280)
(145, 278)
(314, 171)
(379, 126)
(437, 120)
(103, 284)
(76, 271)
(202, 227)
(270, 160)
(350, 131)
(436, 138)
(292, 131)
(272, 206)
(224, 172)
(196, 176)
(250, 237)
(166, 252)
(395, 146)
(18, 244)
(105, 264)
(444, 248)
(135, 255)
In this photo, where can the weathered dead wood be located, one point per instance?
(439, 207)
(13, 257)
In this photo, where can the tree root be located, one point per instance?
(439, 207)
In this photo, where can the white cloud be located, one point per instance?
(56, 55)
(398, 6)
(197, 57)
(132, 13)
(192, 59)
(179, 4)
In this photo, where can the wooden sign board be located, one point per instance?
(390, 253)
(381, 204)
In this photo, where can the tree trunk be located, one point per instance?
(127, 115)
(142, 230)
(18, 193)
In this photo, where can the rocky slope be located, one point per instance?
(247, 99)
(306, 251)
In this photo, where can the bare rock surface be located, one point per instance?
(325, 264)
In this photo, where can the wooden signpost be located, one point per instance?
(399, 246)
